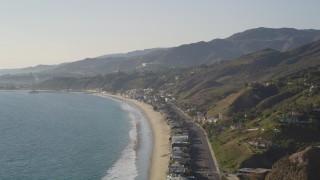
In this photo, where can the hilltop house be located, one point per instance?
(260, 143)
(291, 119)
(251, 173)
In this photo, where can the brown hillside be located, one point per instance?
(299, 166)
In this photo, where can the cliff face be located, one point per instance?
(299, 166)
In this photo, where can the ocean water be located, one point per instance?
(71, 136)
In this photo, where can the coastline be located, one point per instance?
(161, 132)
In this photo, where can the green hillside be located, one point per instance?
(286, 118)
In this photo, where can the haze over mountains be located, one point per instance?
(187, 55)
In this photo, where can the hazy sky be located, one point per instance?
(36, 32)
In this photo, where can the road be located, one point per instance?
(201, 158)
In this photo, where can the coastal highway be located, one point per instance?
(202, 161)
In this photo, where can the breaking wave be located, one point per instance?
(125, 168)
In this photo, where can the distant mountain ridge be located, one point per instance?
(187, 55)
(35, 69)
(199, 53)
(133, 53)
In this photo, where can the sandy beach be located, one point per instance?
(161, 134)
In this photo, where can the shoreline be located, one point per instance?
(160, 131)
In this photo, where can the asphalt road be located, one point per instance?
(201, 159)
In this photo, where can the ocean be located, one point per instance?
(72, 136)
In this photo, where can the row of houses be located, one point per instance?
(180, 162)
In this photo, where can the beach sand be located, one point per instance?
(161, 134)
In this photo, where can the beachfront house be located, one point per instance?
(179, 131)
(180, 141)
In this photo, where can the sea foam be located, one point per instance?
(125, 167)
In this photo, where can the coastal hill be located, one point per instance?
(218, 81)
(197, 82)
